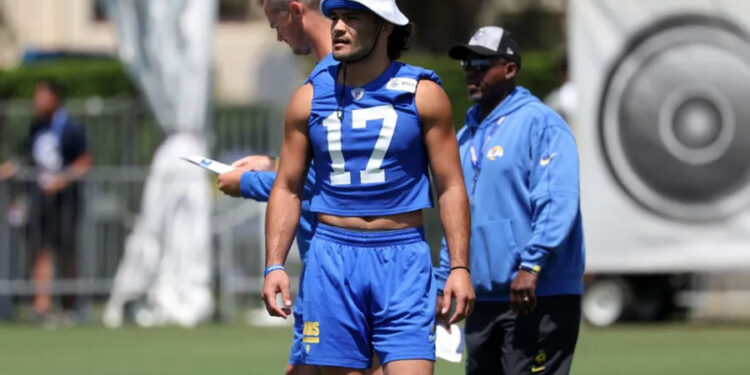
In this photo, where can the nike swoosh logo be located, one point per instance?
(546, 161)
(538, 369)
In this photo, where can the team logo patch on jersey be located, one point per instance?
(311, 333)
(402, 84)
(358, 93)
(495, 153)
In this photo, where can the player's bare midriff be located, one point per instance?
(389, 222)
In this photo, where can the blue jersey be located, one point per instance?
(257, 186)
(321, 66)
(368, 151)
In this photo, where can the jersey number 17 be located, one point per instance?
(372, 172)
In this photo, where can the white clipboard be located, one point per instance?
(206, 163)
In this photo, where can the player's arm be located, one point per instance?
(246, 180)
(256, 163)
(442, 150)
(257, 185)
(282, 215)
(253, 185)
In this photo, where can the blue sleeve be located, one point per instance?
(443, 269)
(431, 75)
(257, 185)
(74, 142)
(554, 192)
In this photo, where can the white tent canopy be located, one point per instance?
(166, 48)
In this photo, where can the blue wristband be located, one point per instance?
(272, 268)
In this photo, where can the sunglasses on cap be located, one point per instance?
(482, 64)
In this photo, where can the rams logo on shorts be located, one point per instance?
(495, 153)
(539, 359)
(311, 333)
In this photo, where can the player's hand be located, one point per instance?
(229, 182)
(256, 163)
(277, 282)
(458, 287)
(441, 318)
(523, 292)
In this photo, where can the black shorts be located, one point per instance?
(500, 341)
(53, 220)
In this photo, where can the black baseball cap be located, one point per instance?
(489, 41)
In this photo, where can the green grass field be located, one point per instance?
(237, 349)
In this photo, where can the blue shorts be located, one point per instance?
(297, 351)
(365, 293)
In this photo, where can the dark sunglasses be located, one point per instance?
(481, 64)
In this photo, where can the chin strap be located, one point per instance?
(374, 44)
(342, 105)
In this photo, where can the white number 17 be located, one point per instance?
(372, 172)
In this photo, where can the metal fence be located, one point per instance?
(122, 138)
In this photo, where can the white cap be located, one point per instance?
(386, 9)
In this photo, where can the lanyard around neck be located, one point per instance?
(477, 152)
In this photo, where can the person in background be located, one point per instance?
(563, 99)
(57, 150)
(307, 32)
(520, 167)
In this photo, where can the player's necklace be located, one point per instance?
(477, 151)
(341, 105)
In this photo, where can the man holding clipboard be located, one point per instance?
(304, 28)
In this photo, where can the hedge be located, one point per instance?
(81, 78)
(106, 78)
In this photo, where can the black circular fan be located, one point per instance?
(675, 118)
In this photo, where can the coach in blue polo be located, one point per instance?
(520, 167)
